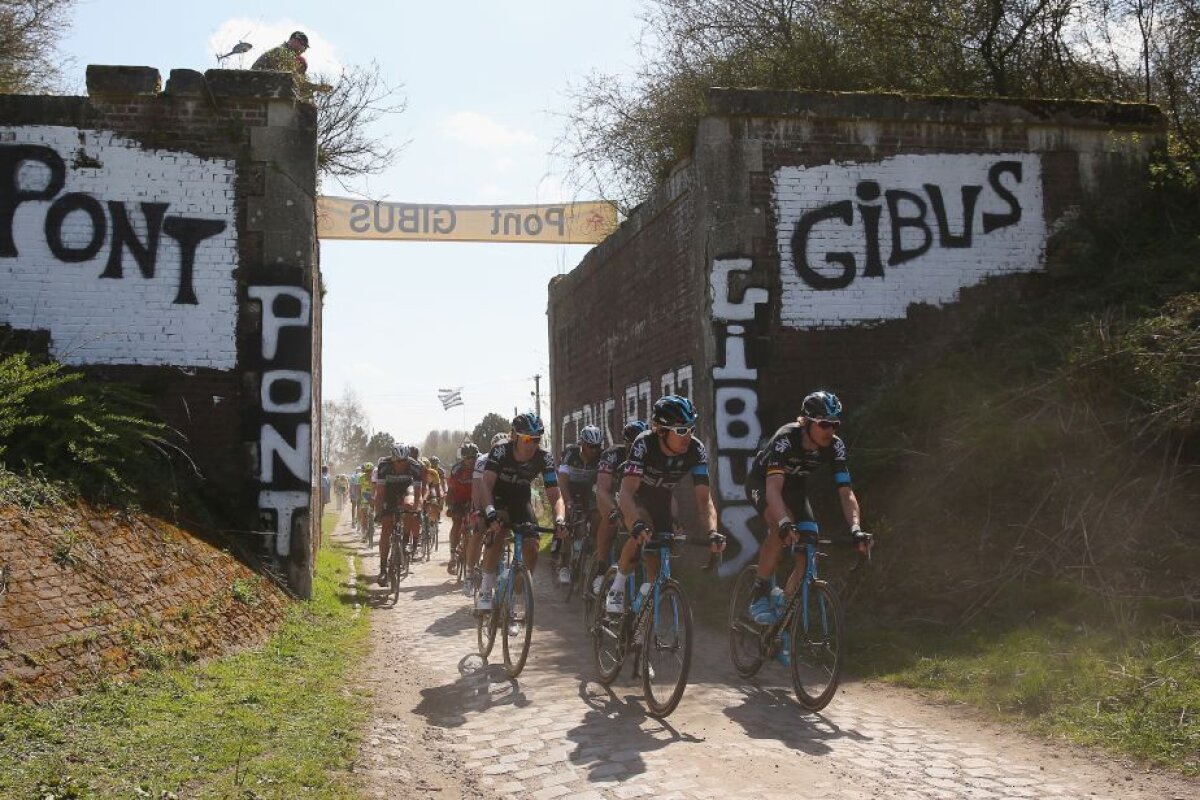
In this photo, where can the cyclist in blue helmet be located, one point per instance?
(507, 488)
(658, 460)
(776, 487)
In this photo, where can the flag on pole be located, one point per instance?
(450, 398)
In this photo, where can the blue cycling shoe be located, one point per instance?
(762, 613)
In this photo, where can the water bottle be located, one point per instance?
(643, 593)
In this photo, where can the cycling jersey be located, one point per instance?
(661, 472)
(514, 479)
(433, 479)
(612, 462)
(785, 455)
(580, 476)
(458, 483)
(397, 477)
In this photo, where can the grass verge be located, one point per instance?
(274, 722)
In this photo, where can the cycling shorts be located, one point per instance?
(795, 498)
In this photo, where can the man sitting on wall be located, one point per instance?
(287, 57)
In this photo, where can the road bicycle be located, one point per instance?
(399, 561)
(811, 628)
(512, 602)
(655, 627)
(594, 603)
(576, 553)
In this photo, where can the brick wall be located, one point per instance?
(831, 240)
(166, 239)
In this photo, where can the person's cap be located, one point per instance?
(301, 36)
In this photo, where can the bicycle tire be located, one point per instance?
(674, 609)
(485, 629)
(610, 635)
(824, 640)
(579, 569)
(393, 569)
(743, 632)
(516, 652)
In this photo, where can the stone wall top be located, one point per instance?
(950, 109)
(108, 80)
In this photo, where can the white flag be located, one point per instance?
(450, 398)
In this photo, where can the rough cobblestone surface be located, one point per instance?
(556, 732)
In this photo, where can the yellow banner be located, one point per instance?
(562, 223)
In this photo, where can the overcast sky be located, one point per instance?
(485, 83)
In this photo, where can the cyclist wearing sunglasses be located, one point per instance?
(608, 477)
(776, 487)
(658, 460)
(507, 487)
(577, 470)
(398, 483)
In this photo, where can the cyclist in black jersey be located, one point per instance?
(608, 478)
(398, 480)
(658, 460)
(776, 487)
(507, 487)
(577, 475)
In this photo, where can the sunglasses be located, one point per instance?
(829, 424)
(680, 430)
(525, 438)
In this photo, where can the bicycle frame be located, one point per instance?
(799, 597)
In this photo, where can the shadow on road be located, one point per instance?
(615, 732)
(774, 714)
(462, 619)
(480, 687)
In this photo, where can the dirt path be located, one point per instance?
(448, 725)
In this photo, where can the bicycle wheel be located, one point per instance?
(579, 565)
(610, 634)
(369, 527)
(745, 637)
(485, 628)
(818, 644)
(667, 650)
(517, 619)
(394, 565)
(426, 540)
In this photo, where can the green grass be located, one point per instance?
(273, 722)
(1138, 695)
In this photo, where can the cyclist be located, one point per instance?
(608, 478)
(577, 470)
(366, 498)
(776, 487)
(398, 484)
(658, 460)
(458, 498)
(435, 491)
(475, 542)
(355, 496)
(436, 463)
(507, 488)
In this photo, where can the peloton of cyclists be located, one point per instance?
(776, 487)
(508, 475)
(658, 460)
(577, 473)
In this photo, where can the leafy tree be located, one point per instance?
(29, 34)
(488, 427)
(379, 446)
(623, 138)
(443, 444)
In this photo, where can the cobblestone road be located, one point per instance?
(556, 732)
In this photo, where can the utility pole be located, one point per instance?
(537, 394)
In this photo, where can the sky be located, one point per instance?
(486, 84)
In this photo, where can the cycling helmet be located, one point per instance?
(468, 450)
(399, 451)
(528, 423)
(590, 434)
(634, 429)
(822, 405)
(414, 451)
(367, 466)
(672, 409)
(435, 461)
(424, 461)
(499, 438)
